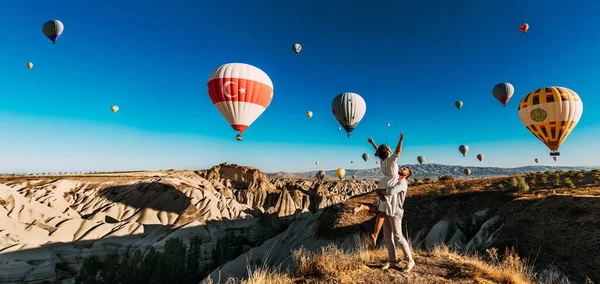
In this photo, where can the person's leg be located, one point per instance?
(400, 239)
(388, 236)
(378, 225)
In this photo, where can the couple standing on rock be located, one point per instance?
(391, 193)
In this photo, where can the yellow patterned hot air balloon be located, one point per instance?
(550, 114)
(114, 108)
(340, 173)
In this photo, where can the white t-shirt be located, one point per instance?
(389, 169)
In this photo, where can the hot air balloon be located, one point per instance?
(296, 48)
(421, 160)
(468, 172)
(463, 149)
(351, 162)
(365, 156)
(537, 160)
(53, 29)
(524, 27)
(348, 109)
(339, 128)
(340, 173)
(458, 104)
(353, 176)
(555, 158)
(550, 114)
(480, 157)
(388, 125)
(317, 163)
(241, 93)
(29, 65)
(114, 108)
(309, 114)
(503, 92)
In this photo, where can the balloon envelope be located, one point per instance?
(296, 48)
(365, 156)
(421, 159)
(467, 172)
(537, 160)
(340, 173)
(53, 29)
(241, 93)
(309, 114)
(503, 92)
(463, 149)
(458, 104)
(550, 114)
(524, 27)
(29, 65)
(348, 109)
(114, 108)
(480, 157)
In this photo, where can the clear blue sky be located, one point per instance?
(409, 60)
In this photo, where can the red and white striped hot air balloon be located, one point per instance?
(241, 93)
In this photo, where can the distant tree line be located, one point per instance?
(176, 264)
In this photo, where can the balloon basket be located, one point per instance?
(554, 154)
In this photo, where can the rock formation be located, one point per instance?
(48, 225)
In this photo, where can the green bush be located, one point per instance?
(556, 182)
(501, 187)
(177, 264)
(581, 175)
(446, 178)
(569, 183)
(522, 186)
(544, 180)
(514, 182)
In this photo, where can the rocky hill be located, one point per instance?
(433, 171)
(49, 224)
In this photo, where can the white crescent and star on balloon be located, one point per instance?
(240, 90)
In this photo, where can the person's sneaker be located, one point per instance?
(385, 266)
(409, 265)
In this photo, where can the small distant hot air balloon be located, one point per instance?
(349, 109)
(238, 137)
(340, 173)
(480, 157)
(555, 158)
(421, 160)
(365, 156)
(53, 29)
(114, 108)
(317, 163)
(339, 128)
(296, 48)
(353, 176)
(468, 172)
(388, 125)
(537, 160)
(550, 114)
(463, 149)
(29, 65)
(309, 114)
(458, 104)
(241, 93)
(351, 162)
(503, 92)
(524, 27)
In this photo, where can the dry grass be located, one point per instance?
(511, 269)
(441, 265)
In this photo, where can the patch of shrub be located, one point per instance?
(446, 178)
(569, 183)
(501, 187)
